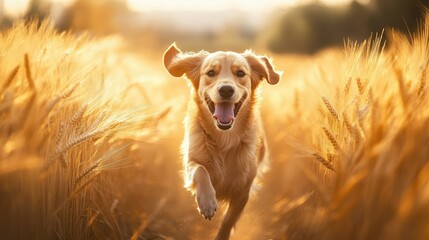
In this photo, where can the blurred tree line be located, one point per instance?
(37, 9)
(309, 28)
(303, 29)
(97, 15)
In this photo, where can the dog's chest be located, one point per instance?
(234, 170)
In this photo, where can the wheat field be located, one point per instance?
(90, 136)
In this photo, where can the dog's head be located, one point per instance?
(223, 80)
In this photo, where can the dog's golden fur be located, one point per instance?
(222, 164)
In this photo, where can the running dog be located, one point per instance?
(224, 147)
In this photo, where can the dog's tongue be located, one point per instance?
(224, 112)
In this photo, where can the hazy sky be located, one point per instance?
(196, 5)
(17, 7)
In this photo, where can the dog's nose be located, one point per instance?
(226, 91)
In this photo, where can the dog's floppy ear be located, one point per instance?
(178, 63)
(262, 68)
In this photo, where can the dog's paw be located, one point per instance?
(207, 204)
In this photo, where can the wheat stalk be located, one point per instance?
(69, 91)
(57, 99)
(98, 120)
(331, 157)
(352, 130)
(361, 124)
(7, 101)
(72, 142)
(87, 172)
(9, 79)
(59, 134)
(104, 161)
(370, 96)
(145, 221)
(357, 135)
(331, 138)
(347, 123)
(29, 105)
(347, 86)
(78, 115)
(330, 108)
(63, 161)
(362, 112)
(52, 104)
(360, 86)
(323, 161)
(75, 192)
(28, 72)
(422, 84)
(79, 139)
(401, 85)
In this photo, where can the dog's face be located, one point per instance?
(224, 84)
(223, 80)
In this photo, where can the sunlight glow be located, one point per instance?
(15, 7)
(19, 7)
(198, 5)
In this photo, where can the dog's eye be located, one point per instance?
(211, 73)
(240, 74)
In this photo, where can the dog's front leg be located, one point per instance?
(236, 206)
(205, 193)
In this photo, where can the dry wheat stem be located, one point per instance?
(72, 142)
(7, 102)
(370, 96)
(79, 139)
(69, 91)
(78, 115)
(360, 85)
(63, 161)
(52, 104)
(29, 105)
(87, 172)
(362, 112)
(98, 120)
(92, 219)
(422, 80)
(357, 135)
(361, 125)
(9, 79)
(330, 108)
(401, 85)
(331, 138)
(60, 133)
(347, 86)
(323, 161)
(347, 123)
(56, 100)
(28, 72)
(75, 192)
(145, 221)
(331, 157)
(51, 119)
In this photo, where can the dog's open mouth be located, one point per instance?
(225, 113)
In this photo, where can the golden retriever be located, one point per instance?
(224, 145)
